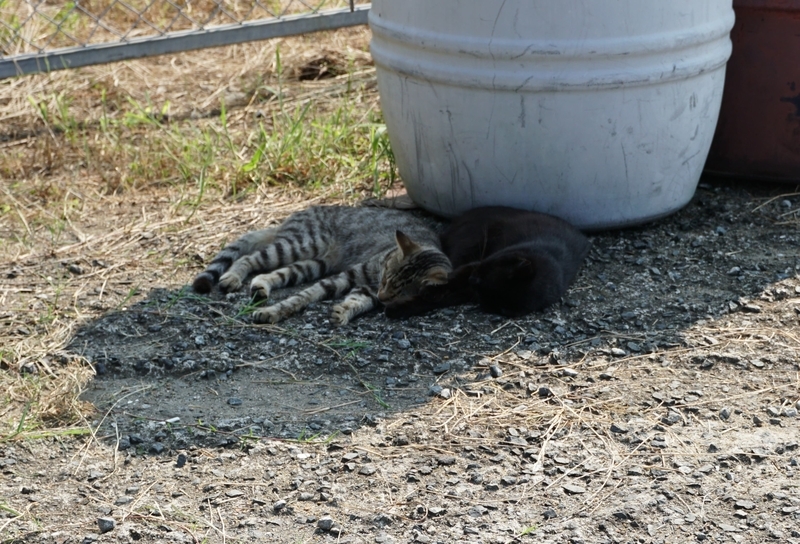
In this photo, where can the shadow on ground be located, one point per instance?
(176, 369)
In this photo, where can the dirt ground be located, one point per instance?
(657, 403)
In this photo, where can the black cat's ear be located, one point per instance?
(436, 276)
(523, 268)
(406, 244)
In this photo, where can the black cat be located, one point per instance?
(509, 261)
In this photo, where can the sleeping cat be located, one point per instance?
(365, 252)
(511, 262)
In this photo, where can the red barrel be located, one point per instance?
(758, 134)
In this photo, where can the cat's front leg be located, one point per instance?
(358, 301)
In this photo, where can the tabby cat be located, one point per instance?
(511, 262)
(367, 253)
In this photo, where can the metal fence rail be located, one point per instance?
(41, 35)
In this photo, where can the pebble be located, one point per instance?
(234, 493)
(106, 524)
(619, 429)
(233, 401)
(123, 500)
(569, 372)
(199, 340)
(368, 470)
(725, 413)
(441, 368)
(574, 489)
(75, 269)
(617, 352)
(745, 504)
(495, 371)
(327, 524)
(789, 412)
(278, 506)
(181, 461)
(157, 447)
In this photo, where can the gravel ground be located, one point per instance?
(658, 403)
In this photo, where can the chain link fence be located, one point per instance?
(45, 35)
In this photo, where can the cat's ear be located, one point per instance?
(406, 244)
(523, 268)
(436, 276)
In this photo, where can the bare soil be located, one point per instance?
(657, 403)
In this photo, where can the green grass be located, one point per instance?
(313, 146)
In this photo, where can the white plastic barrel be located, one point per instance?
(601, 112)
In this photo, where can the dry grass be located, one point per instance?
(136, 164)
(28, 26)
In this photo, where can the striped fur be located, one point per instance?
(358, 249)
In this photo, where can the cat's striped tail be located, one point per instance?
(249, 243)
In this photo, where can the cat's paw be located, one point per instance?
(259, 288)
(341, 314)
(230, 282)
(270, 314)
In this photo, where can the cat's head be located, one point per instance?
(409, 268)
(506, 285)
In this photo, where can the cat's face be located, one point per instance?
(408, 269)
(505, 286)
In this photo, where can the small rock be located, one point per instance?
(441, 368)
(278, 506)
(617, 352)
(446, 460)
(157, 447)
(234, 493)
(368, 470)
(199, 340)
(574, 489)
(106, 524)
(326, 523)
(549, 514)
(445, 393)
(77, 270)
(789, 412)
(569, 372)
(181, 461)
(725, 413)
(306, 496)
(745, 504)
(234, 401)
(774, 412)
(752, 308)
(619, 429)
(495, 371)
(123, 500)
